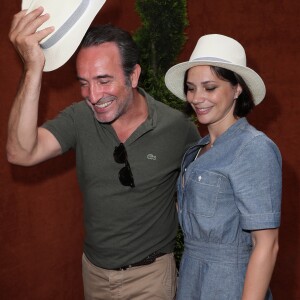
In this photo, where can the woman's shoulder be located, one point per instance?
(252, 140)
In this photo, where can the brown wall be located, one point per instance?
(41, 210)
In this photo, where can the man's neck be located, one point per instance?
(137, 113)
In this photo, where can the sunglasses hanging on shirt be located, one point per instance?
(125, 174)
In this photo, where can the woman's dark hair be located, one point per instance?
(244, 103)
(108, 33)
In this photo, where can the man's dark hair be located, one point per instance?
(108, 33)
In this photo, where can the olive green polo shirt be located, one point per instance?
(123, 225)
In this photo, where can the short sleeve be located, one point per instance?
(257, 183)
(192, 135)
(63, 128)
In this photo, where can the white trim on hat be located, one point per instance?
(71, 19)
(220, 51)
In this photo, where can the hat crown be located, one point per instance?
(63, 15)
(70, 19)
(219, 48)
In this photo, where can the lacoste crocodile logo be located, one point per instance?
(151, 156)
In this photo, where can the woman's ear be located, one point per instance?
(238, 91)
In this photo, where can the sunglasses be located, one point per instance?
(125, 174)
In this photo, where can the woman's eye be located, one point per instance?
(210, 88)
(190, 89)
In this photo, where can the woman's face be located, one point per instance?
(212, 98)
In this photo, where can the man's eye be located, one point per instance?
(103, 82)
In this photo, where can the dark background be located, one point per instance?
(41, 228)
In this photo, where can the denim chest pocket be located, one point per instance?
(201, 193)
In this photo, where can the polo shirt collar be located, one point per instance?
(149, 124)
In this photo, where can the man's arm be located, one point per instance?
(27, 144)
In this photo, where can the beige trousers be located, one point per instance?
(149, 282)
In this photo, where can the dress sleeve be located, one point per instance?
(256, 179)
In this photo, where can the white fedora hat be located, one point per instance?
(221, 51)
(71, 19)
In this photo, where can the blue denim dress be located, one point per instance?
(233, 188)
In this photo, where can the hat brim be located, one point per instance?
(69, 37)
(174, 78)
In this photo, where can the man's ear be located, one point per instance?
(135, 75)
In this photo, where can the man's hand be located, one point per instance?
(25, 37)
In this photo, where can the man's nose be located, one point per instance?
(95, 93)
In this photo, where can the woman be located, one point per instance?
(229, 190)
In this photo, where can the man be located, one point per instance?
(128, 153)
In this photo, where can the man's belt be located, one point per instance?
(146, 261)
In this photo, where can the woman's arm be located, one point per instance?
(261, 264)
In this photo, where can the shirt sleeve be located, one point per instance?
(193, 135)
(257, 184)
(63, 128)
